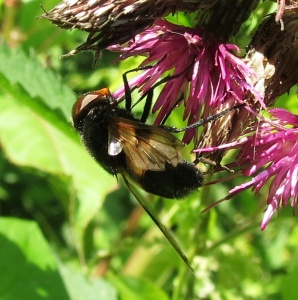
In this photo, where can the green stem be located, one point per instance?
(199, 240)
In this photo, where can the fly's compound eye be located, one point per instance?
(86, 102)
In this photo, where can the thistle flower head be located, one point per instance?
(271, 153)
(206, 72)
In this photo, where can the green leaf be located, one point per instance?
(37, 81)
(34, 135)
(32, 141)
(136, 288)
(28, 268)
(81, 288)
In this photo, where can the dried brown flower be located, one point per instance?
(273, 55)
(284, 5)
(115, 22)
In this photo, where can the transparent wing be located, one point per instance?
(147, 147)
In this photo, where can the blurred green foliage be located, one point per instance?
(69, 230)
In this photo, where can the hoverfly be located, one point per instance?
(148, 155)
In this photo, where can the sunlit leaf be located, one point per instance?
(28, 267)
(81, 288)
(33, 135)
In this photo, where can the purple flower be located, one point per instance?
(209, 74)
(271, 153)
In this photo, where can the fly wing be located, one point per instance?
(147, 147)
(114, 145)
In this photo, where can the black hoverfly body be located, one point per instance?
(148, 155)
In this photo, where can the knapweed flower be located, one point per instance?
(206, 73)
(270, 154)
